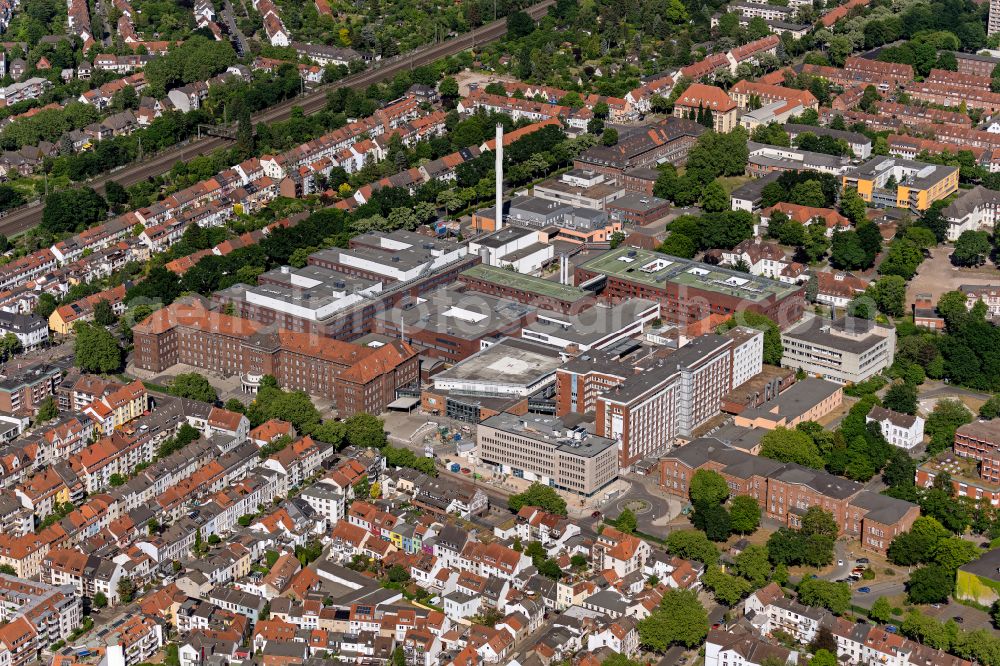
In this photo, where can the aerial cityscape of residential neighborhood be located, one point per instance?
(453, 333)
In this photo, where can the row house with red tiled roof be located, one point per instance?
(620, 109)
(111, 411)
(641, 98)
(64, 438)
(519, 109)
(709, 66)
(27, 268)
(300, 460)
(116, 454)
(805, 215)
(944, 93)
(26, 553)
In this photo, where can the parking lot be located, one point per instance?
(937, 275)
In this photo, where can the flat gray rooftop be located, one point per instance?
(460, 313)
(551, 429)
(511, 361)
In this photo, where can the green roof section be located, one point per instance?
(528, 283)
(657, 269)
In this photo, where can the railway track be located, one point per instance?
(24, 218)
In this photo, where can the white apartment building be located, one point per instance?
(900, 430)
(974, 210)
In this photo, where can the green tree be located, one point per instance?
(835, 597)
(889, 294)
(716, 154)
(47, 304)
(971, 249)
(772, 334)
(626, 521)
(917, 544)
(808, 193)
(331, 432)
(47, 410)
(519, 24)
(678, 245)
(824, 658)
(901, 397)
(853, 206)
(398, 574)
(448, 87)
(902, 259)
(542, 496)
(72, 210)
(943, 421)
(680, 620)
(846, 251)
(713, 520)
(930, 584)
(692, 545)
(819, 522)
(96, 350)
(953, 552)
(990, 409)
(708, 487)
(744, 514)
(881, 610)
(194, 386)
(714, 198)
(100, 600)
(791, 446)
(609, 137)
(125, 589)
(364, 430)
(754, 565)
(104, 315)
(245, 139)
(727, 589)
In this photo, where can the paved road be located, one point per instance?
(878, 589)
(659, 505)
(938, 389)
(238, 39)
(24, 218)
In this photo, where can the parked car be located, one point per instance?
(959, 619)
(840, 563)
(596, 514)
(891, 628)
(862, 560)
(864, 590)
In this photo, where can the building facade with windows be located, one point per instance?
(844, 350)
(544, 449)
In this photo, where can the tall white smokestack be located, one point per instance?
(499, 172)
